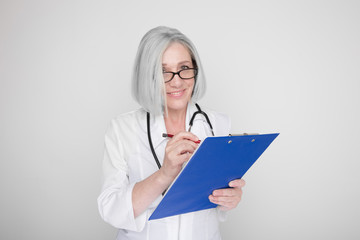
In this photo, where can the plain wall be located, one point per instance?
(273, 66)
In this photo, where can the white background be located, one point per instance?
(273, 66)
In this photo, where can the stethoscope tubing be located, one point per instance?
(199, 111)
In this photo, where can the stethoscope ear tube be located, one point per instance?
(199, 111)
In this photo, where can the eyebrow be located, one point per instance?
(182, 62)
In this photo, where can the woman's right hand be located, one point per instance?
(178, 150)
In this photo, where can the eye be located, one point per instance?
(184, 67)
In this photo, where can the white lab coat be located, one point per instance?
(128, 160)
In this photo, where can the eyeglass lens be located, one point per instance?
(183, 74)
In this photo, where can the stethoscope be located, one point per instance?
(199, 111)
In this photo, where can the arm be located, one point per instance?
(178, 150)
(114, 201)
(147, 190)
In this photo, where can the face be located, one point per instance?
(178, 91)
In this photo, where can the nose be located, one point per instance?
(176, 81)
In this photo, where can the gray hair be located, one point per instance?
(148, 87)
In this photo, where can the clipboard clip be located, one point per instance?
(242, 134)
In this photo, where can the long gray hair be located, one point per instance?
(148, 87)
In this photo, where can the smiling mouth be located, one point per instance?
(177, 93)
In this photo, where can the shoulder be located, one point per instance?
(129, 121)
(130, 116)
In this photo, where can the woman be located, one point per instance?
(167, 80)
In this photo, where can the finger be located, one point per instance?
(239, 183)
(180, 146)
(184, 146)
(189, 147)
(224, 205)
(181, 153)
(223, 200)
(185, 157)
(227, 192)
(184, 135)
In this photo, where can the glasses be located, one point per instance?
(183, 74)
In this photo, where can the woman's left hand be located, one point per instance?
(228, 198)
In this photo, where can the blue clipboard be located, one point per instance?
(216, 162)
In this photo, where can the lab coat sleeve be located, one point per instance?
(115, 201)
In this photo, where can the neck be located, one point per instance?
(175, 121)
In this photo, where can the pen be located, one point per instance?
(171, 135)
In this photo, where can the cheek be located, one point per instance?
(192, 84)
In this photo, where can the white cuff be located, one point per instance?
(138, 223)
(115, 207)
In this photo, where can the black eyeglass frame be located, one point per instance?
(178, 73)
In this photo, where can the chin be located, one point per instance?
(177, 105)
